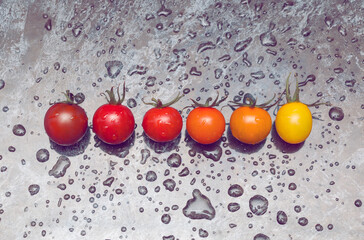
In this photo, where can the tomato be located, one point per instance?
(294, 122)
(162, 124)
(294, 119)
(113, 123)
(205, 124)
(65, 123)
(250, 125)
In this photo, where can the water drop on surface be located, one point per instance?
(203, 233)
(169, 184)
(233, 207)
(33, 189)
(42, 155)
(2, 84)
(113, 68)
(235, 190)
(258, 205)
(19, 130)
(261, 236)
(174, 160)
(151, 176)
(60, 168)
(302, 221)
(48, 25)
(199, 207)
(242, 45)
(336, 114)
(282, 217)
(145, 155)
(358, 203)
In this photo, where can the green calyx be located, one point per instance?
(69, 98)
(157, 103)
(215, 103)
(110, 97)
(295, 97)
(250, 101)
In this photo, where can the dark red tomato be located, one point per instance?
(113, 124)
(162, 124)
(65, 123)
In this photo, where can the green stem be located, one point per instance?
(112, 99)
(157, 103)
(215, 103)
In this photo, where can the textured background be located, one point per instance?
(168, 47)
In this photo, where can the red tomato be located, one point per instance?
(65, 123)
(205, 124)
(162, 124)
(250, 125)
(113, 124)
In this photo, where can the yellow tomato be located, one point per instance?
(294, 122)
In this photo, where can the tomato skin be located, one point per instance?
(205, 124)
(294, 122)
(65, 123)
(162, 124)
(113, 124)
(250, 125)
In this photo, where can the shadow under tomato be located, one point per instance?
(211, 151)
(283, 146)
(243, 147)
(120, 150)
(161, 147)
(75, 149)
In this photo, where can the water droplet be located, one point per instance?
(77, 30)
(131, 103)
(319, 227)
(60, 168)
(185, 171)
(329, 21)
(258, 75)
(233, 207)
(199, 207)
(19, 130)
(242, 45)
(108, 181)
(42, 155)
(79, 98)
(33, 189)
(268, 39)
(258, 205)
(303, 221)
(145, 155)
(213, 154)
(336, 114)
(358, 203)
(342, 30)
(261, 236)
(48, 24)
(169, 184)
(113, 68)
(282, 217)
(235, 190)
(203, 233)
(174, 160)
(218, 73)
(151, 176)
(2, 84)
(205, 46)
(142, 190)
(119, 32)
(166, 218)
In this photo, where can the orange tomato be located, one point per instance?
(205, 124)
(250, 125)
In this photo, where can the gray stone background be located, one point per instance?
(195, 47)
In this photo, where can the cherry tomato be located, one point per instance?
(250, 125)
(162, 124)
(65, 123)
(113, 123)
(205, 124)
(294, 119)
(294, 122)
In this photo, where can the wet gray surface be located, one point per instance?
(94, 191)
